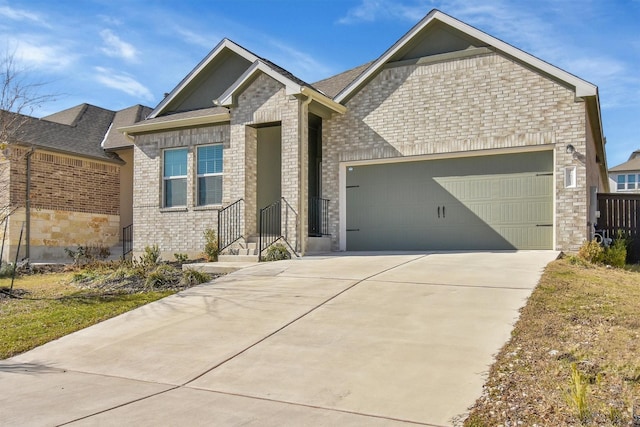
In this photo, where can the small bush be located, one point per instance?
(151, 255)
(193, 277)
(591, 252)
(211, 245)
(577, 395)
(6, 270)
(162, 277)
(88, 253)
(277, 252)
(616, 254)
(181, 258)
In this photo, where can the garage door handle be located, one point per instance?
(438, 211)
(353, 229)
(443, 215)
(544, 225)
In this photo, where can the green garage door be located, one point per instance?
(486, 202)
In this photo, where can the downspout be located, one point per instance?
(302, 208)
(27, 215)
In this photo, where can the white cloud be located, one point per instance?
(123, 82)
(372, 10)
(299, 63)
(196, 38)
(32, 52)
(20, 15)
(116, 47)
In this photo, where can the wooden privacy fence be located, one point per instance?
(621, 212)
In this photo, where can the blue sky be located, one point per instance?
(116, 53)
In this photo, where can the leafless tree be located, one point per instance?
(20, 96)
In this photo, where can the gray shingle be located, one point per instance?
(334, 85)
(114, 139)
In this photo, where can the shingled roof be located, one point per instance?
(633, 164)
(333, 85)
(113, 139)
(79, 130)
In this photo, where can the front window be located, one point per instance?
(631, 182)
(174, 175)
(210, 175)
(621, 182)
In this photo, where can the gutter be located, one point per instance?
(28, 205)
(129, 131)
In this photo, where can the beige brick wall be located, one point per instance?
(264, 101)
(479, 103)
(175, 229)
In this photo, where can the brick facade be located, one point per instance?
(174, 230)
(181, 229)
(74, 202)
(60, 182)
(478, 103)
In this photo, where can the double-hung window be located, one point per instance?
(174, 176)
(628, 182)
(210, 175)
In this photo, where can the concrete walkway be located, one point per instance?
(349, 340)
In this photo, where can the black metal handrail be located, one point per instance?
(230, 228)
(127, 240)
(272, 225)
(318, 217)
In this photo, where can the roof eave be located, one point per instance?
(177, 123)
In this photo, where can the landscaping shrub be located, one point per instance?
(181, 258)
(6, 270)
(277, 252)
(151, 255)
(87, 254)
(162, 277)
(591, 252)
(616, 254)
(211, 245)
(194, 277)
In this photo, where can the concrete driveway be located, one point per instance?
(349, 340)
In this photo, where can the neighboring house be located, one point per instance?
(60, 187)
(451, 140)
(625, 178)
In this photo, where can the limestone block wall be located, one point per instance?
(467, 104)
(54, 230)
(175, 229)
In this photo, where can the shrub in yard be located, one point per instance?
(181, 258)
(211, 245)
(151, 255)
(163, 276)
(616, 254)
(277, 252)
(591, 252)
(194, 277)
(6, 270)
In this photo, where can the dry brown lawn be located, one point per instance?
(579, 315)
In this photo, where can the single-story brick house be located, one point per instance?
(63, 177)
(451, 140)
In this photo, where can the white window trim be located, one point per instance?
(171, 178)
(570, 177)
(625, 183)
(205, 175)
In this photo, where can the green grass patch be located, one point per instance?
(50, 307)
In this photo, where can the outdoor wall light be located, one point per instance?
(571, 149)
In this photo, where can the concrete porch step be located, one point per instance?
(238, 258)
(219, 267)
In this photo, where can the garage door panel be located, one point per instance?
(506, 203)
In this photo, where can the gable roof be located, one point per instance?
(633, 164)
(114, 139)
(225, 44)
(78, 130)
(582, 87)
